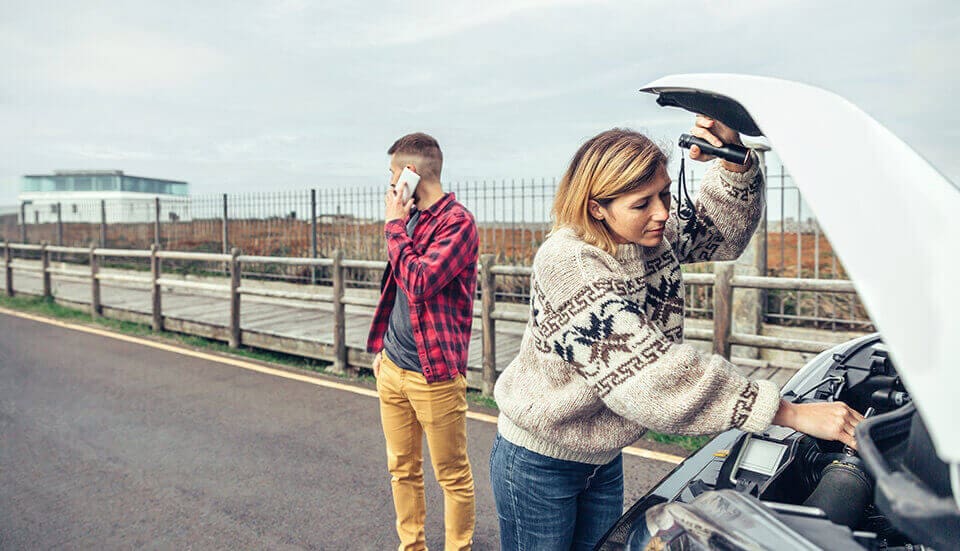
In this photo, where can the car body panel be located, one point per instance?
(893, 219)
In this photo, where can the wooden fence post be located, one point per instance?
(488, 293)
(722, 308)
(339, 315)
(96, 308)
(155, 289)
(45, 264)
(8, 267)
(234, 298)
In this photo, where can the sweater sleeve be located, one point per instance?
(727, 210)
(638, 372)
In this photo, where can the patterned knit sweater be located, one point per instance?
(601, 358)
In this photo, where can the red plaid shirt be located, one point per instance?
(437, 268)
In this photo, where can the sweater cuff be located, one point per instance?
(740, 180)
(764, 408)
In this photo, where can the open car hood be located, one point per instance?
(893, 219)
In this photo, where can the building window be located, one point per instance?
(83, 183)
(105, 183)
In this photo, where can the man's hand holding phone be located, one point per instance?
(399, 199)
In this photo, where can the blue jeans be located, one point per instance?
(552, 504)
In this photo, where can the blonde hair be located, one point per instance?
(607, 166)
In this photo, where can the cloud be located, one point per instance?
(324, 25)
(104, 152)
(130, 61)
(309, 93)
(423, 22)
(265, 147)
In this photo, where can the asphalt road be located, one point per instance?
(106, 444)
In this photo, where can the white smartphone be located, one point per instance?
(410, 178)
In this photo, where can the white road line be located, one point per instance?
(638, 452)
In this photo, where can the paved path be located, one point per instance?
(106, 444)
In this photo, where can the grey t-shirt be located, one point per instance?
(398, 343)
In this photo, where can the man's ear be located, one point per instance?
(595, 211)
(413, 167)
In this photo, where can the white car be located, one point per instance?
(895, 222)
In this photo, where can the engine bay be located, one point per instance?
(830, 496)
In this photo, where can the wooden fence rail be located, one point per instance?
(723, 280)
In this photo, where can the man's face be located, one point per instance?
(395, 170)
(396, 166)
(641, 215)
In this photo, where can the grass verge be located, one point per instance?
(47, 307)
(689, 443)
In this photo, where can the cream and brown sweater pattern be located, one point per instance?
(602, 358)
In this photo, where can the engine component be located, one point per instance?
(843, 493)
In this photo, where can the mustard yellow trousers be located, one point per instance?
(409, 409)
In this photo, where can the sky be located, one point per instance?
(280, 95)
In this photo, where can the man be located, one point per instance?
(420, 334)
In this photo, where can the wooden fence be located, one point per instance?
(723, 281)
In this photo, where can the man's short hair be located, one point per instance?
(421, 148)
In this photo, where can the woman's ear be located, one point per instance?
(595, 209)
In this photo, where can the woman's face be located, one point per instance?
(640, 215)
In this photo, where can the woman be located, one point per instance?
(601, 359)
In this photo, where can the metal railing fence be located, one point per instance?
(513, 219)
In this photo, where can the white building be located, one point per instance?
(82, 195)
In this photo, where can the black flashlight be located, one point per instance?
(730, 152)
